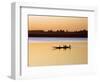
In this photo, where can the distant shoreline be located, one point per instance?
(61, 33)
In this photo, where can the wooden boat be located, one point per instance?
(62, 47)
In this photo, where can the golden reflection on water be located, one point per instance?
(43, 53)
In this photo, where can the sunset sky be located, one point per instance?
(57, 23)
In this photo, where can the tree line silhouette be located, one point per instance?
(58, 33)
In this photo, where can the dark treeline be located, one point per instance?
(58, 33)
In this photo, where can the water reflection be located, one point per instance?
(57, 53)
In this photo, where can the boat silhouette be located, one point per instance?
(62, 47)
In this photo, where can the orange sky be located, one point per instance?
(57, 23)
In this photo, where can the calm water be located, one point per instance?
(57, 39)
(42, 52)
